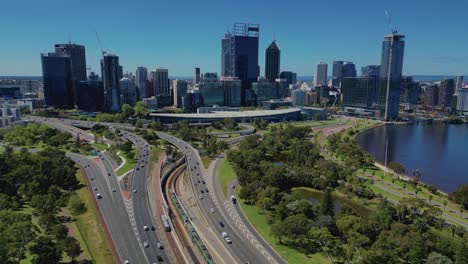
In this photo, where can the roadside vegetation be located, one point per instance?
(268, 167)
(44, 182)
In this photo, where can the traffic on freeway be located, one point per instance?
(242, 250)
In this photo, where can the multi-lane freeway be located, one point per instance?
(139, 197)
(112, 207)
(240, 249)
(125, 215)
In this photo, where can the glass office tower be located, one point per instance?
(58, 82)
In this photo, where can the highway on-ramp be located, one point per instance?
(112, 207)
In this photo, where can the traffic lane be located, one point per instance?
(249, 254)
(140, 219)
(114, 216)
(140, 199)
(220, 196)
(242, 252)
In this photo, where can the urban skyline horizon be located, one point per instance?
(174, 46)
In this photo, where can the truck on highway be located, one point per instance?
(233, 199)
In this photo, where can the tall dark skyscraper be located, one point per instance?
(110, 78)
(197, 76)
(77, 57)
(272, 61)
(391, 68)
(349, 69)
(58, 81)
(337, 73)
(240, 55)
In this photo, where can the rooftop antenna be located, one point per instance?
(103, 52)
(274, 36)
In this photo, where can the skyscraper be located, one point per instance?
(179, 89)
(370, 71)
(140, 81)
(226, 55)
(337, 73)
(349, 69)
(128, 92)
(161, 82)
(77, 58)
(272, 61)
(110, 79)
(320, 77)
(289, 76)
(458, 83)
(391, 68)
(197, 76)
(240, 55)
(58, 82)
(446, 90)
(358, 91)
(232, 91)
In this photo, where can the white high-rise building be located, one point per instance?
(320, 77)
(140, 81)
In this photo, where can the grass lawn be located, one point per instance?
(259, 220)
(226, 175)
(310, 123)
(100, 146)
(89, 228)
(206, 161)
(130, 162)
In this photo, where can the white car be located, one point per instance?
(145, 244)
(134, 190)
(200, 196)
(226, 237)
(146, 228)
(126, 262)
(160, 246)
(212, 210)
(98, 195)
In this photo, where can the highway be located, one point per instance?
(236, 213)
(112, 207)
(141, 207)
(240, 249)
(135, 206)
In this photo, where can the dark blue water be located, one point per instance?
(439, 150)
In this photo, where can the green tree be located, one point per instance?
(141, 110)
(397, 167)
(326, 204)
(460, 195)
(76, 205)
(45, 251)
(436, 258)
(127, 111)
(71, 246)
(417, 252)
(461, 253)
(60, 232)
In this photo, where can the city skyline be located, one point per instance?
(300, 53)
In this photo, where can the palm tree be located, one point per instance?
(430, 199)
(416, 192)
(445, 204)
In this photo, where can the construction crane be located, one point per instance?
(103, 52)
(389, 21)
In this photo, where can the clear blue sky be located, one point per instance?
(181, 35)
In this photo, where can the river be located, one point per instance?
(439, 150)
